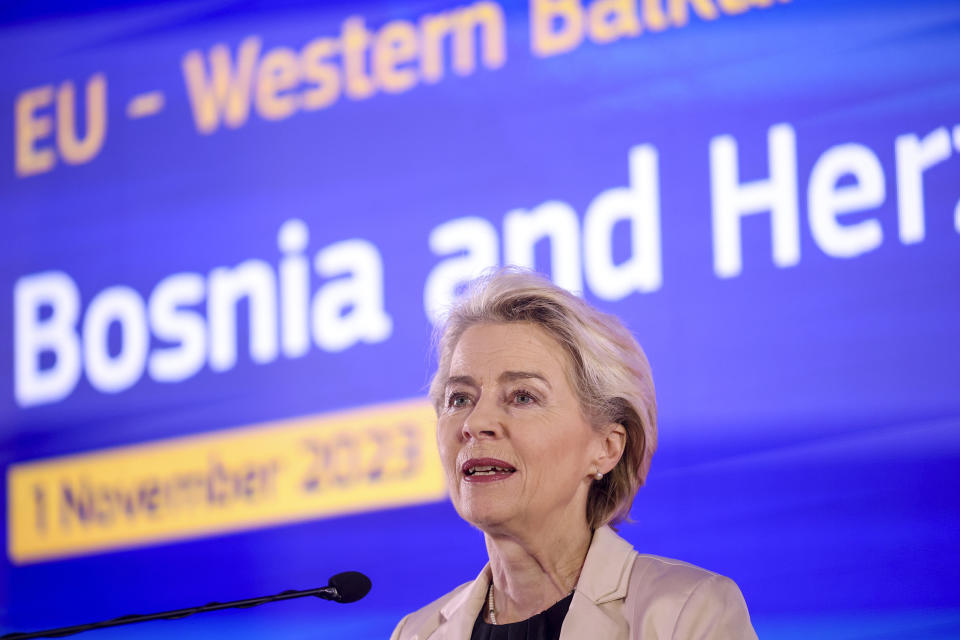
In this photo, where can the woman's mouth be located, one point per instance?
(486, 470)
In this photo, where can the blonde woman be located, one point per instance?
(546, 424)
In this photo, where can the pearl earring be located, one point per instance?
(598, 475)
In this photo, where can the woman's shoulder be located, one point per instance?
(610, 554)
(651, 568)
(685, 599)
(427, 616)
(676, 579)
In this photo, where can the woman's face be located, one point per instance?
(516, 450)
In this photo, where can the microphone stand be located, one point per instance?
(327, 593)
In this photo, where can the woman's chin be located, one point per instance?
(485, 517)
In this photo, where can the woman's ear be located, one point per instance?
(612, 444)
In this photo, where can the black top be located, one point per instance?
(543, 626)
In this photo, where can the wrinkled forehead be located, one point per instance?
(486, 351)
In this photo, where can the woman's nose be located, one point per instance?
(484, 420)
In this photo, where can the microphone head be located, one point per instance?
(350, 586)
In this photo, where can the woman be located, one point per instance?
(546, 427)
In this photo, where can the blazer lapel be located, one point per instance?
(604, 578)
(586, 620)
(458, 616)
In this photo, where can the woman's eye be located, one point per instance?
(522, 397)
(457, 400)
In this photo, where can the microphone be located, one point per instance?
(348, 586)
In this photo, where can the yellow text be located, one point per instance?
(357, 64)
(41, 137)
(559, 26)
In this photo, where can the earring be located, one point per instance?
(598, 476)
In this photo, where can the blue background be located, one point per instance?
(809, 415)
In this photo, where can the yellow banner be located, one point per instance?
(239, 478)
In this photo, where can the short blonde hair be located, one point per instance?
(611, 375)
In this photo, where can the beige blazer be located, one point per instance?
(621, 595)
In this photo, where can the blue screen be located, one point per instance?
(229, 228)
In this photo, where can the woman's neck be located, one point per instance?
(531, 573)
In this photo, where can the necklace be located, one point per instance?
(490, 609)
(493, 614)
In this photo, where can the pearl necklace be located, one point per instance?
(490, 610)
(493, 614)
